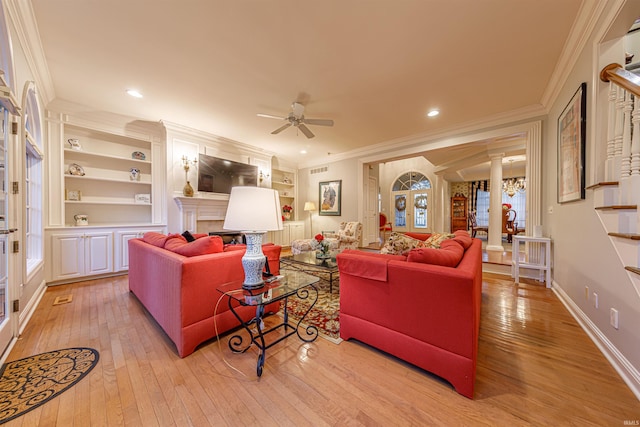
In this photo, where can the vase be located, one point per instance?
(187, 191)
(323, 255)
(287, 215)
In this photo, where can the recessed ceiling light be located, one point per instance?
(134, 93)
(303, 151)
(433, 113)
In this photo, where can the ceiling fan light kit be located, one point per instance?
(297, 119)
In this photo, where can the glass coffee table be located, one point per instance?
(293, 283)
(309, 259)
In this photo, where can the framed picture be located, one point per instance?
(74, 195)
(572, 127)
(330, 198)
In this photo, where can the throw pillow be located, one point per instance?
(436, 239)
(155, 239)
(400, 244)
(187, 235)
(464, 240)
(202, 246)
(449, 254)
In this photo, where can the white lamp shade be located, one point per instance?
(309, 206)
(253, 209)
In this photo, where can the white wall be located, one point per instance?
(582, 252)
(308, 190)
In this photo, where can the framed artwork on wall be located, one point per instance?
(330, 198)
(572, 127)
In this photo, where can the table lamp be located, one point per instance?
(310, 206)
(254, 211)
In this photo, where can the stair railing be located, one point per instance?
(623, 132)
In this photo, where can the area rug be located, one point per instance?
(325, 314)
(27, 383)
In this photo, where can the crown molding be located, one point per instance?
(23, 18)
(581, 31)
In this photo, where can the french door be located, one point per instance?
(411, 211)
(6, 327)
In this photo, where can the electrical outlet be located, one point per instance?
(614, 317)
(595, 300)
(586, 293)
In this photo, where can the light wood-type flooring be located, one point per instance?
(536, 366)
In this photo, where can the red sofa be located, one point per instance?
(180, 291)
(425, 314)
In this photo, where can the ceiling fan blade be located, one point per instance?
(319, 122)
(269, 116)
(305, 130)
(280, 129)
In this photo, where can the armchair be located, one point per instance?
(348, 236)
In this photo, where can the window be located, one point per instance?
(411, 181)
(517, 202)
(33, 180)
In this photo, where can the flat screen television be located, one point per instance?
(219, 175)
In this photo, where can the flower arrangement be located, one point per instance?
(320, 244)
(506, 206)
(287, 208)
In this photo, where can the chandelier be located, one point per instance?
(511, 186)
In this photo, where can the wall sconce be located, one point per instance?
(187, 191)
(262, 176)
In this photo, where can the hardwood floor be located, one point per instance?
(535, 367)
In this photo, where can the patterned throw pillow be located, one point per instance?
(436, 239)
(399, 244)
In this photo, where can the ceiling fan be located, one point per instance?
(297, 119)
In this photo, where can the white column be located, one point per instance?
(495, 205)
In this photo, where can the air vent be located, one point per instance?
(318, 170)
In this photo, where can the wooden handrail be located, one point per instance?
(623, 78)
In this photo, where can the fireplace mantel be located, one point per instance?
(193, 209)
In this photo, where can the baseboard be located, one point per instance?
(31, 306)
(629, 374)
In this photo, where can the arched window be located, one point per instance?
(33, 180)
(411, 181)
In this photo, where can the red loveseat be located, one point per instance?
(425, 314)
(177, 283)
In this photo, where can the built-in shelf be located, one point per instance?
(69, 153)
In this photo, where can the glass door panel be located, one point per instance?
(5, 324)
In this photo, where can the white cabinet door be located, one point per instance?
(98, 249)
(81, 254)
(296, 231)
(68, 256)
(122, 246)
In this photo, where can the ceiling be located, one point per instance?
(375, 67)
